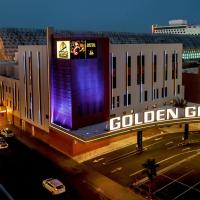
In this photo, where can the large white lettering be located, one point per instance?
(149, 116)
(152, 116)
(160, 115)
(190, 111)
(171, 114)
(127, 120)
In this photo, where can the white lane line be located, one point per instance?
(97, 160)
(188, 148)
(166, 159)
(179, 182)
(158, 138)
(174, 180)
(171, 142)
(116, 170)
(186, 190)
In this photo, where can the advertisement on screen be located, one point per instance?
(77, 49)
(63, 49)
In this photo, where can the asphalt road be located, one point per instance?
(125, 165)
(22, 171)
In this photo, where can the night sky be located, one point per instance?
(97, 15)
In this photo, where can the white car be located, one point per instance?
(6, 132)
(53, 185)
(3, 143)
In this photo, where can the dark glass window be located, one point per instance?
(118, 101)
(125, 100)
(165, 91)
(129, 80)
(157, 93)
(114, 62)
(114, 82)
(178, 89)
(113, 102)
(140, 69)
(162, 92)
(129, 61)
(145, 95)
(155, 68)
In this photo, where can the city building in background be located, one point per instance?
(177, 26)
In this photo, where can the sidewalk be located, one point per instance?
(79, 173)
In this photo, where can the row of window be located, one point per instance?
(14, 103)
(141, 69)
(127, 98)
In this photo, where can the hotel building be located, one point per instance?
(70, 84)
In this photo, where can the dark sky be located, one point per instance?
(97, 15)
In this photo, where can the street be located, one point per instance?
(22, 171)
(125, 165)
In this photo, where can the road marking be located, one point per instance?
(196, 150)
(174, 180)
(171, 142)
(171, 147)
(143, 180)
(186, 190)
(188, 148)
(97, 160)
(158, 138)
(116, 170)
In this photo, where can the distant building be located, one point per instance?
(178, 26)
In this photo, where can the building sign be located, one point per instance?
(91, 49)
(77, 49)
(153, 116)
(63, 49)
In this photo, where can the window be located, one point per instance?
(114, 62)
(140, 69)
(166, 65)
(113, 102)
(178, 89)
(162, 92)
(125, 100)
(157, 93)
(118, 102)
(129, 99)
(145, 95)
(154, 68)
(129, 61)
(114, 82)
(174, 66)
(165, 91)
(129, 80)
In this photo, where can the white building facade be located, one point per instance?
(144, 76)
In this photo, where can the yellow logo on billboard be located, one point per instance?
(63, 49)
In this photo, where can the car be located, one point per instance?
(6, 132)
(3, 143)
(53, 185)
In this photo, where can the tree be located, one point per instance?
(180, 103)
(151, 171)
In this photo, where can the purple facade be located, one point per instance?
(79, 92)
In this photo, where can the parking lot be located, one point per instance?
(180, 183)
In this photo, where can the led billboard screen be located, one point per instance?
(63, 49)
(77, 49)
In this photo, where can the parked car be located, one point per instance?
(54, 186)
(6, 132)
